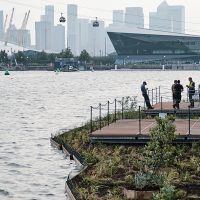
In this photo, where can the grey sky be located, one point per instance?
(101, 9)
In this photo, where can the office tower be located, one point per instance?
(43, 35)
(118, 17)
(168, 18)
(134, 17)
(97, 36)
(72, 29)
(178, 15)
(83, 34)
(49, 14)
(1, 25)
(59, 42)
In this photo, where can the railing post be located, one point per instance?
(91, 119)
(161, 106)
(159, 93)
(189, 115)
(156, 95)
(108, 113)
(122, 109)
(100, 116)
(152, 98)
(115, 110)
(139, 120)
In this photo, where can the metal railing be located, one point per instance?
(110, 112)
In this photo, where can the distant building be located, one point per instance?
(134, 17)
(83, 34)
(49, 14)
(97, 39)
(72, 29)
(118, 17)
(23, 36)
(1, 25)
(46, 32)
(168, 18)
(146, 45)
(43, 35)
(59, 42)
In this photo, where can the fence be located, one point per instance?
(111, 112)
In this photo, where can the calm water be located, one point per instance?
(35, 104)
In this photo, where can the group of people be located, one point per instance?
(177, 89)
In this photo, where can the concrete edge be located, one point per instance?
(82, 167)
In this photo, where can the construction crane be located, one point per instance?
(4, 25)
(23, 27)
(8, 30)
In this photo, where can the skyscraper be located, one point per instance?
(83, 34)
(134, 17)
(72, 29)
(49, 14)
(1, 25)
(168, 18)
(97, 36)
(59, 34)
(118, 17)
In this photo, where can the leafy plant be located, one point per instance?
(167, 192)
(157, 153)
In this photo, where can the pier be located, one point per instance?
(122, 128)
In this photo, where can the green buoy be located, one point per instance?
(6, 72)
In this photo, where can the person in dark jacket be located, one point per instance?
(174, 94)
(178, 88)
(191, 91)
(145, 95)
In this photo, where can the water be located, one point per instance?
(35, 104)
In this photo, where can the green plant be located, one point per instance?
(167, 192)
(157, 153)
(143, 180)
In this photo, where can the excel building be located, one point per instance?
(151, 46)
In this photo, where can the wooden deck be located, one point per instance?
(127, 131)
(167, 107)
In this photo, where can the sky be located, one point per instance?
(93, 8)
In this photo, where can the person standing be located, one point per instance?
(178, 89)
(145, 95)
(174, 94)
(191, 91)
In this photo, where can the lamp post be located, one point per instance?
(163, 66)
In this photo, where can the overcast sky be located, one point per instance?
(101, 9)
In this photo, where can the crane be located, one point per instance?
(4, 25)
(23, 27)
(8, 30)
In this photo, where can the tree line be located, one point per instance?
(44, 58)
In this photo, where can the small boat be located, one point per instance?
(6, 73)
